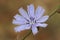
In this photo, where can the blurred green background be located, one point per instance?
(8, 8)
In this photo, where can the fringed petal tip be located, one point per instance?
(16, 29)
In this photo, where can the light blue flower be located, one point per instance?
(30, 19)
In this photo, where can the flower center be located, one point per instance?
(32, 20)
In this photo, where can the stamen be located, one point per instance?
(31, 18)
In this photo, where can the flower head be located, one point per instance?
(30, 19)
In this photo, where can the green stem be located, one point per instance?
(27, 35)
(54, 12)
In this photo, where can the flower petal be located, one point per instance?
(41, 24)
(43, 19)
(39, 12)
(19, 20)
(30, 10)
(16, 22)
(34, 30)
(23, 13)
(22, 27)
